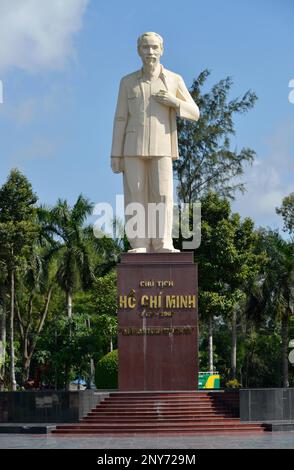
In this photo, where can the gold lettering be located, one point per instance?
(156, 331)
(180, 301)
(131, 302)
(192, 301)
(153, 301)
(123, 301)
(145, 283)
(144, 301)
(170, 301)
(127, 302)
(183, 301)
(166, 283)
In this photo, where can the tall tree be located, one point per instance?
(278, 288)
(18, 230)
(207, 162)
(33, 298)
(104, 298)
(287, 212)
(3, 326)
(227, 261)
(71, 245)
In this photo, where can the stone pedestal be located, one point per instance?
(158, 324)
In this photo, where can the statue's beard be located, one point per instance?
(152, 64)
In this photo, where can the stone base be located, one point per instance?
(158, 327)
(47, 406)
(267, 404)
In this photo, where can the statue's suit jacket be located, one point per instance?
(132, 117)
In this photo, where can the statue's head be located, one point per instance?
(150, 48)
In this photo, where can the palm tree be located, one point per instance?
(282, 294)
(3, 320)
(35, 280)
(273, 297)
(70, 246)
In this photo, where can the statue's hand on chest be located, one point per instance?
(166, 98)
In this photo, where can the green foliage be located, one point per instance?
(275, 295)
(70, 245)
(17, 198)
(245, 276)
(233, 384)
(18, 233)
(226, 257)
(262, 363)
(105, 294)
(287, 212)
(66, 348)
(206, 161)
(18, 223)
(106, 374)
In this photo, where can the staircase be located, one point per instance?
(164, 413)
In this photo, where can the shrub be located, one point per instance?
(233, 384)
(106, 373)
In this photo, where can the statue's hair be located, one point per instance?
(140, 38)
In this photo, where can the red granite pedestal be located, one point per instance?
(157, 322)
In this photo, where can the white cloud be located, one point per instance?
(36, 34)
(27, 110)
(269, 180)
(39, 147)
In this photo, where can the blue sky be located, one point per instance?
(61, 62)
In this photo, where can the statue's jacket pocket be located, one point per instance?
(134, 101)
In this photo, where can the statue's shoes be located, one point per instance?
(168, 250)
(138, 250)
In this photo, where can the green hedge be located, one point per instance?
(106, 373)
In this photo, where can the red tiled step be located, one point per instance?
(177, 401)
(160, 412)
(164, 392)
(143, 413)
(163, 408)
(140, 413)
(162, 425)
(183, 416)
(169, 397)
(161, 403)
(159, 433)
(160, 429)
(193, 419)
(162, 415)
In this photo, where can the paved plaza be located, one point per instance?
(279, 440)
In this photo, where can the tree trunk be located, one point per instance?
(92, 372)
(2, 343)
(234, 345)
(210, 345)
(285, 341)
(69, 304)
(91, 379)
(26, 360)
(12, 358)
(30, 347)
(26, 369)
(69, 314)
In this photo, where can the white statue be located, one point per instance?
(145, 142)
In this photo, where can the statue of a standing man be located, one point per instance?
(145, 140)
